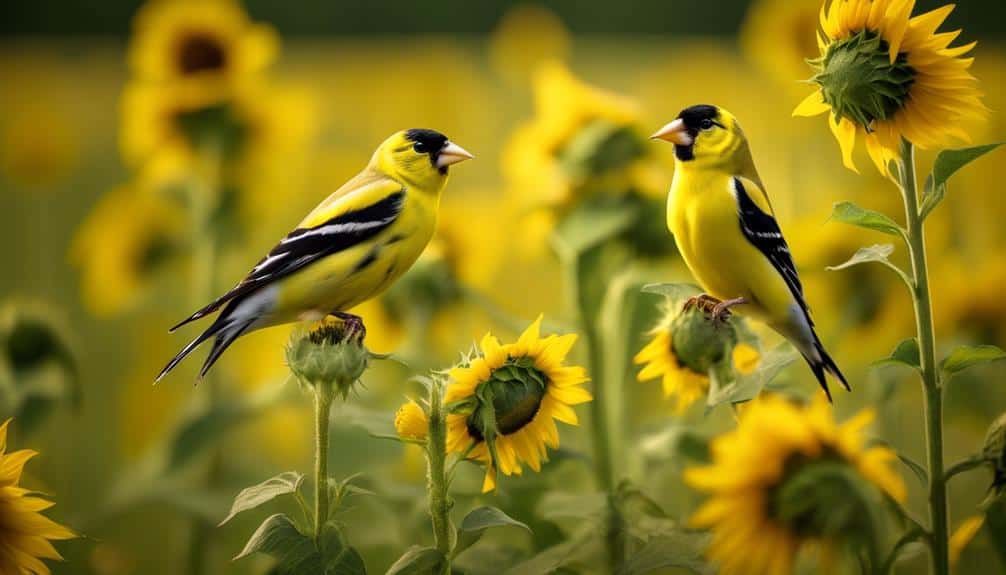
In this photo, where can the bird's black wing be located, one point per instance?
(763, 232)
(304, 246)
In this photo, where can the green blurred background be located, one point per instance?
(354, 72)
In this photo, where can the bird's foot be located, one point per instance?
(721, 311)
(704, 302)
(355, 329)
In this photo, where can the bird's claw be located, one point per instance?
(721, 311)
(355, 328)
(704, 302)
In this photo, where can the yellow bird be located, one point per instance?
(349, 249)
(726, 231)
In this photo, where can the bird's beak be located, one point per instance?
(452, 153)
(675, 132)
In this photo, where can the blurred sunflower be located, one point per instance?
(25, 533)
(509, 395)
(887, 76)
(411, 422)
(971, 299)
(525, 36)
(782, 480)
(776, 36)
(686, 378)
(177, 40)
(123, 245)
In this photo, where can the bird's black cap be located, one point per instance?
(692, 117)
(428, 142)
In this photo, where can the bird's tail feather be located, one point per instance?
(225, 328)
(823, 364)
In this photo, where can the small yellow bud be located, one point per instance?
(411, 421)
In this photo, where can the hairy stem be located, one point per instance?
(436, 457)
(927, 354)
(322, 410)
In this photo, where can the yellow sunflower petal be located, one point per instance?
(812, 105)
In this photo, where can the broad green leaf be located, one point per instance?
(417, 561)
(477, 521)
(252, 497)
(966, 356)
(589, 225)
(905, 353)
(874, 253)
(949, 161)
(674, 291)
(915, 467)
(681, 550)
(850, 213)
(746, 387)
(278, 537)
(582, 546)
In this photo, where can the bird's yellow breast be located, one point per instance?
(702, 215)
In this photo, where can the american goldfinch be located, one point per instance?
(349, 249)
(726, 231)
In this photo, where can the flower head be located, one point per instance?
(503, 402)
(685, 346)
(885, 76)
(411, 422)
(789, 475)
(25, 533)
(198, 40)
(329, 355)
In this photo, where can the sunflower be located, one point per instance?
(525, 36)
(687, 379)
(886, 76)
(122, 246)
(411, 422)
(774, 35)
(513, 392)
(25, 533)
(196, 40)
(755, 467)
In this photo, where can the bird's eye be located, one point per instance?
(420, 148)
(706, 124)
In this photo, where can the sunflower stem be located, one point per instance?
(323, 395)
(202, 201)
(932, 388)
(436, 456)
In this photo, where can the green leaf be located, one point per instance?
(588, 225)
(278, 537)
(949, 161)
(905, 353)
(674, 291)
(681, 550)
(874, 253)
(850, 213)
(931, 197)
(915, 467)
(252, 497)
(417, 561)
(966, 356)
(746, 387)
(477, 521)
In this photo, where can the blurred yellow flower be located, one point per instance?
(963, 535)
(411, 421)
(525, 36)
(887, 76)
(777, 35)
(122, 246)
(528, 387)
(177, 40)
(25, 533)
(972, 304)
(775, 442)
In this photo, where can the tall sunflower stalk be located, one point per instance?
(891, 80)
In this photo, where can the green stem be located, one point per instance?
(204, 255)
(322, 410)
(436, 457)
(927, 355)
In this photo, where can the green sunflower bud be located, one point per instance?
(601, 147)
(858, 80)
(995, 453)
(827, 499)
(330, 356)
(699, 342)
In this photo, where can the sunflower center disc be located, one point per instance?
(200, 53)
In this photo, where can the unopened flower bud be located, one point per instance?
(411, 421)
(701, 343)
(330, 354)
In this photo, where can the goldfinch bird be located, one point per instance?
(726, 231)
(350, 248)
